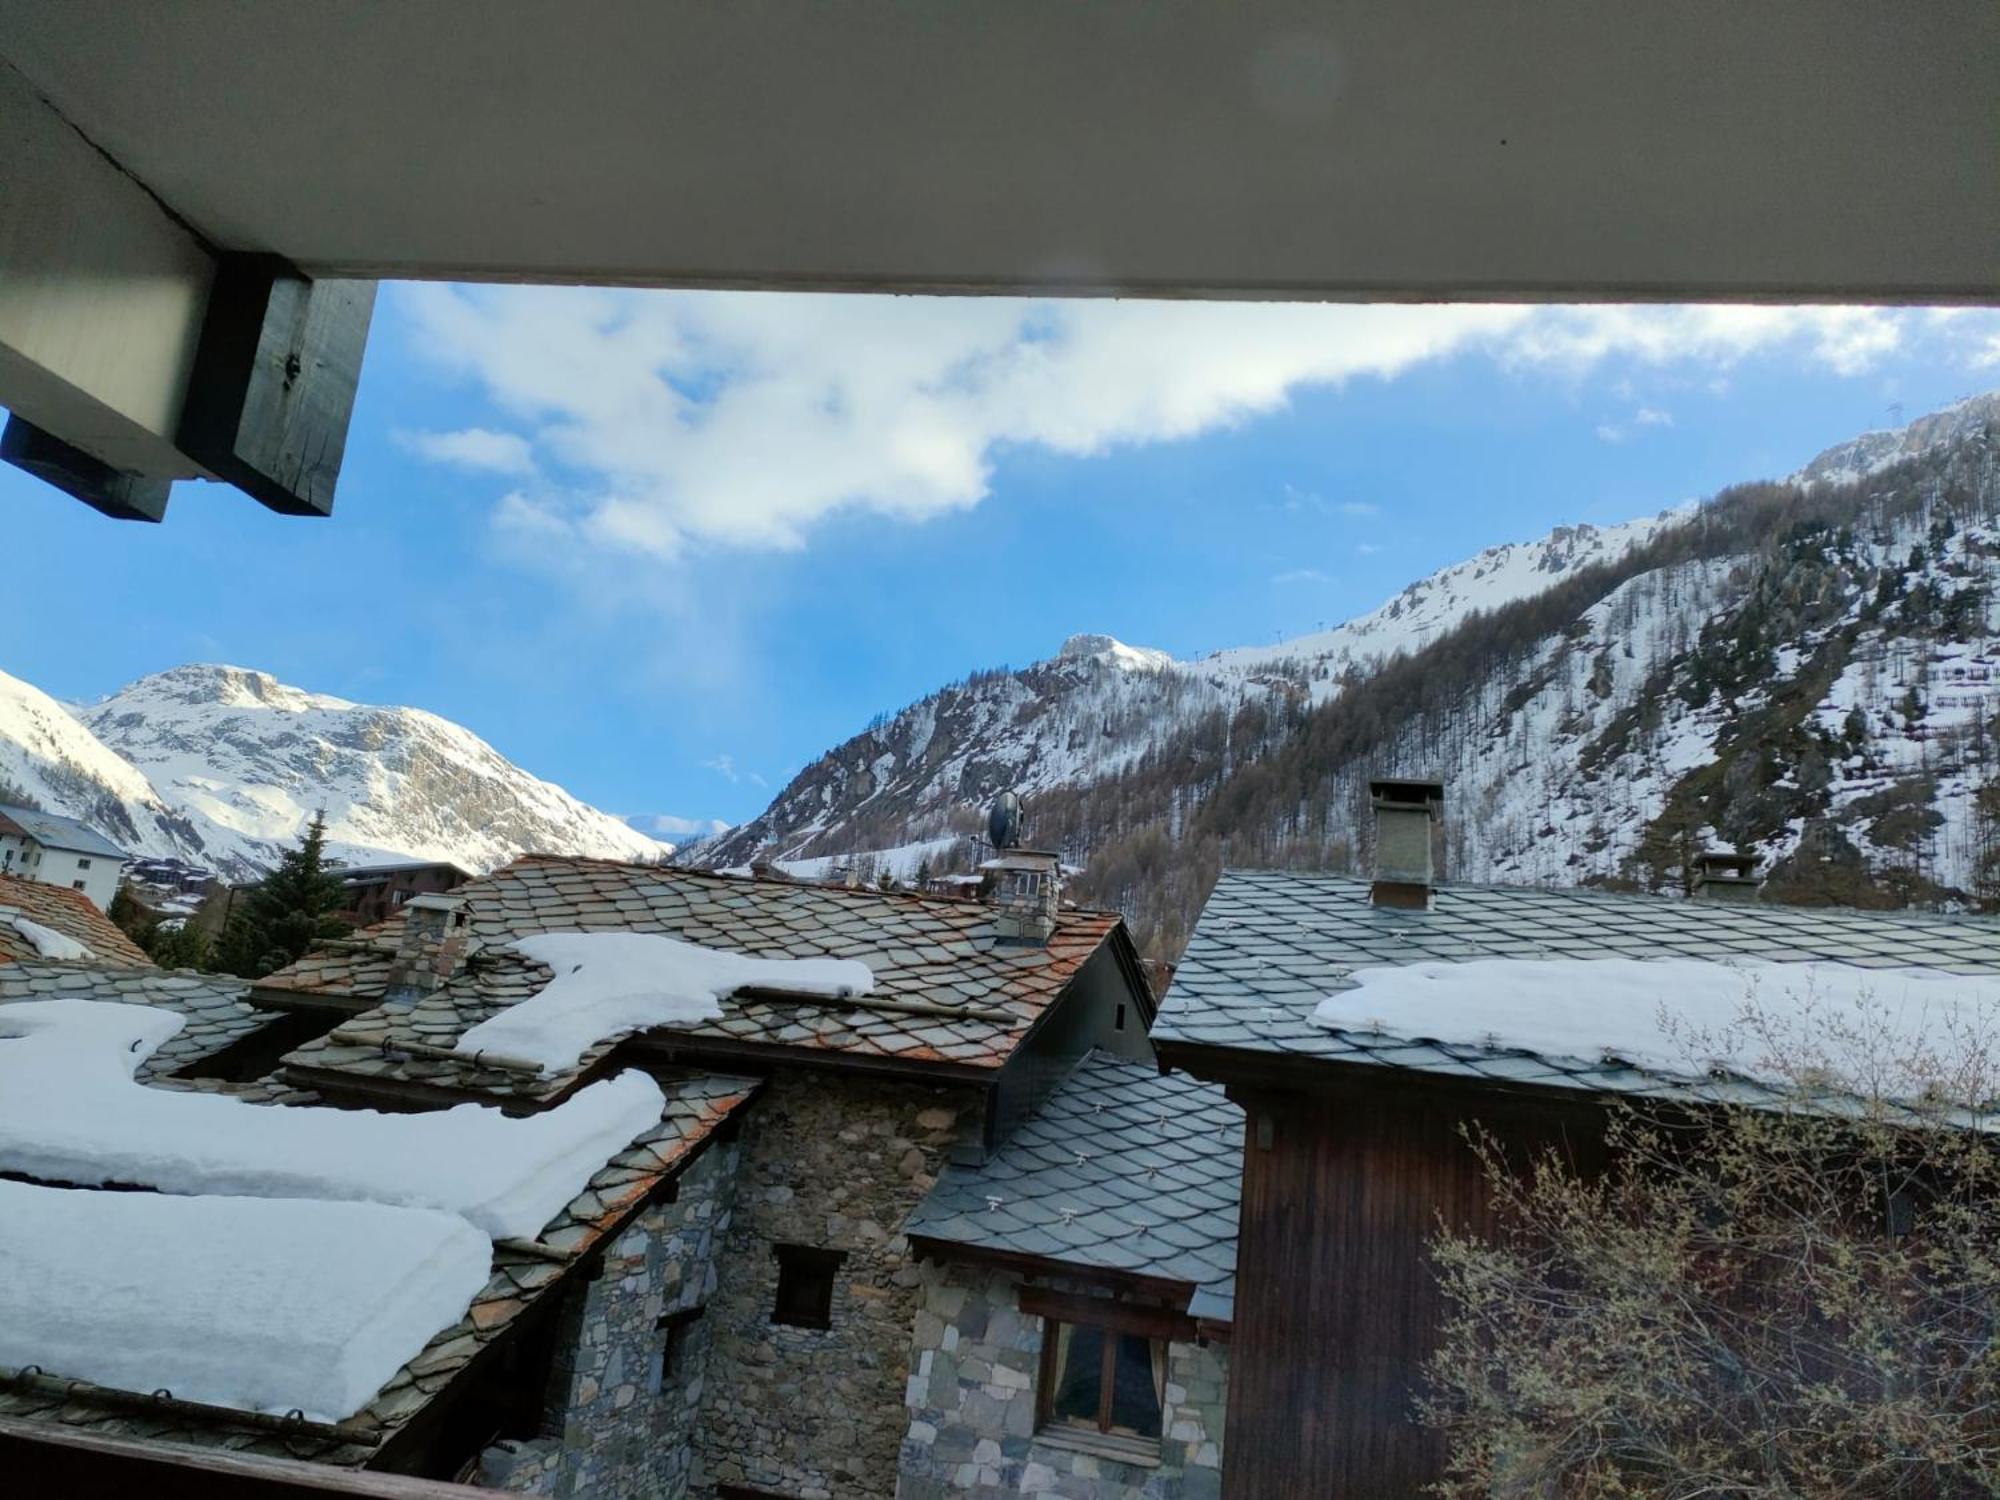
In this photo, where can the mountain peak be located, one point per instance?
(1114, 653)
(1872, 452)
(229, 686)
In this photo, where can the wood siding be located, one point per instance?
(1337, 1304)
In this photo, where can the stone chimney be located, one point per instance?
(1408, 813)
(437, 938)
(1726, 877)
(1026, 889)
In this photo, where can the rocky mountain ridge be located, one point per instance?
(221, 766)
(1805, 670)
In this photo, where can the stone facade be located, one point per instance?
(617, 1420)
(971, 1397)
(832, 1160)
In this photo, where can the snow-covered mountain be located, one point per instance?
(1806, 670)
(221, 766)
(51, 761)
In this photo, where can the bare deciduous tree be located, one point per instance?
(1792, 1293)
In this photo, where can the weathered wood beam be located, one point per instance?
(78, 1463)
(102, 294)
(273, 384)
(122, 496)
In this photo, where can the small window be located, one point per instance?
(76, 885)
(671, 1356)
(805, 1286)
(1118, 1021)
(1102, 1384)
(83, 864)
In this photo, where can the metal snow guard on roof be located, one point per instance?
(1122, 1169)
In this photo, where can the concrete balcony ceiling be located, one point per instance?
(196, 198)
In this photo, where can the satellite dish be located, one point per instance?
(1003, 824)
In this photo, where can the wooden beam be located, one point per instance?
(923, 1247)
(274, 378)
(121, 496)
(1102, 1312)
(78, 1463)
(101, 296)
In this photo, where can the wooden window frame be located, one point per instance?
(798, 1261)
(1124, 1447)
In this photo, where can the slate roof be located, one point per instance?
(1122, 1168)
(69, 912)
(212, 1006)
(948, 991)
(57, 832)
(696, 1106)
(1270, 944)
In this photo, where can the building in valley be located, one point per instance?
(376, 892)
(59, 851)
(1352, 1145)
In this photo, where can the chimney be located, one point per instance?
(1726, 877)
(1026, 889)
(437, 937)
(1408, 813)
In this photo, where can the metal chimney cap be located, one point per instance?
(1406, 791)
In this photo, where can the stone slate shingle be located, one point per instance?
(1122, 1168)
(1270, 944)
(211, 1006)
(68, 912)
(928, 953)
(697, 1105)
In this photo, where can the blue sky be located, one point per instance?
(665, 548)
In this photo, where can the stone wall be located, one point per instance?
(835, 1161)
(971, 1397)
(616, 1423)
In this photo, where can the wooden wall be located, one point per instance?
(1337, 1306)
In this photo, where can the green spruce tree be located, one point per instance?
(295, 906)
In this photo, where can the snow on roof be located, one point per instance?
(71, 1111)
(1679, 1016)
(243, 1302)
(46, 940)
(610, 983)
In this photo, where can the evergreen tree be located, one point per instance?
(294, 907)
(132, 918)
(181, 946)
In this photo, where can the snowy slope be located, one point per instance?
(1100, 707)
(245, 759)
(51, 761)
(1849, 749)
(1432, 606)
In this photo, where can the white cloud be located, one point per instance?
(662, 420)
(1301, 575)
(1653, 416)
(1359, 508)
(1608, 432)
(725, 766)
(1367, 549)
(673, 826)
(478, 448)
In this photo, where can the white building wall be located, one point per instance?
(96, 875)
